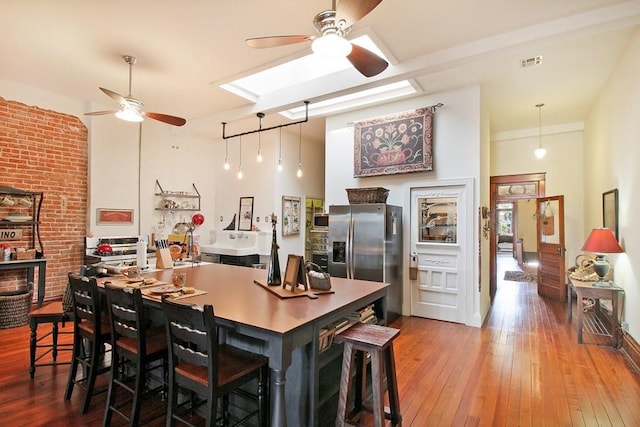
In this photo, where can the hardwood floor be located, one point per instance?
(523, 368)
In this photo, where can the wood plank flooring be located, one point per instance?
(523, 368)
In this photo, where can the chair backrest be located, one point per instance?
(126, 315)
(86, 301)
(192, 338)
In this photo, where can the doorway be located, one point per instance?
(506, 194)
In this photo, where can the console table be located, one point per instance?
(592, 322)
(30, 265)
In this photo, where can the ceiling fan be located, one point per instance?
(333, 25)
(131, 108)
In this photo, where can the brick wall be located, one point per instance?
(42, 150)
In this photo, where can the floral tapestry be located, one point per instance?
(396, 143)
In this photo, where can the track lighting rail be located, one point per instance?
(261, 129)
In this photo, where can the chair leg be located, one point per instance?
(54, 341)
(91, 375)
(32, 347)
(141, 377)
(172, 402)
(345, 383)
(111, 392)
(392, 387)
(73, 370)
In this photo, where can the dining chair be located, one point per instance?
(91, 338)
(56, 313)
(135, 346)
(200, 365)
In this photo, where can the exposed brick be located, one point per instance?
(35, 144)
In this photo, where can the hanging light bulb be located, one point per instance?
(240, 161)
(280, 153)
(540, 151)
(226, 155)
(299, 173)
(259, 148)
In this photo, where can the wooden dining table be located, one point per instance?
(284, 329)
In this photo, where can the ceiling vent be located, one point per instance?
(530, 62)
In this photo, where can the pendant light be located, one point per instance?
(299, 174)
(280, 153)
(260, 116)
(240, 160)
(226, 155)
(540, 151)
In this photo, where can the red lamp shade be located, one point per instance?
(602, 241)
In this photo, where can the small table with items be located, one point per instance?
(594, 321)
(30, 265)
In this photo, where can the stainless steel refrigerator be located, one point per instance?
(365, 242)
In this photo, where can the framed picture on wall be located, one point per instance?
(610, 211)
(245, 215)
(290, 215)
(114, 216)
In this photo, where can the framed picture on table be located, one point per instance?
(610, 211)
(245, 215)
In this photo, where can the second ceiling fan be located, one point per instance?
(131, 108)
(333, 25)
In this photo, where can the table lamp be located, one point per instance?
(601, 241)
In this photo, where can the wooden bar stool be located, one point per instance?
(376, 340)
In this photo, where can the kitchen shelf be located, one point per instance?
(174, 197)
(23, 201)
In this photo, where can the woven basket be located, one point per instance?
(14, 309)
(321, 283)
(367, 195)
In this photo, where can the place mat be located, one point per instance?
(284, 293)
(123, 282)
(149, 293)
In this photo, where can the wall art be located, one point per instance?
(394, 143)
(610, 211)
(114, 216)
(290, 215)
(245, 215)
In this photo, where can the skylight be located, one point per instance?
(295, 72)
(339, 103)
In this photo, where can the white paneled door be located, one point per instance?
(440, 223)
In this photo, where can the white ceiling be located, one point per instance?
(185, 49)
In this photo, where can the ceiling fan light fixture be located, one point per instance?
(130, 115)
(331, 45)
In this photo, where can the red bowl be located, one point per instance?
(198, 219)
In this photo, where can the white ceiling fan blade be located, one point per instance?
(113, 95)
(100, 113)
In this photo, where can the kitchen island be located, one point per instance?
(286, 330)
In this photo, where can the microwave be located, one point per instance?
(321, 221)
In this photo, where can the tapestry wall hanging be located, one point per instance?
(395, 143)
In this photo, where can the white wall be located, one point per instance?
(612, 159)
(562, 165)
(456, 155)
(122, 165)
